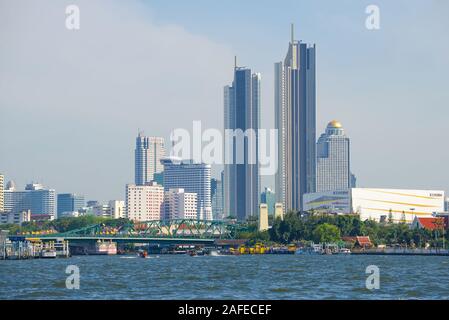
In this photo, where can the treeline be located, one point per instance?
(63, 224)
(331, 228)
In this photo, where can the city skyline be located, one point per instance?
(369, 85)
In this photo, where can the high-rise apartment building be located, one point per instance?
(144, 203)
(193, 178)
(295, 117)
(180, 204)
(148, 154)
(241, 150)
(333, 156)
(41, 201)
(69, 202)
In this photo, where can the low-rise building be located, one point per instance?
(381, 205)
(15, 217)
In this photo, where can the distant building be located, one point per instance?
(180, 204)
(381, 205)
(2, 205)
(15, 217)
(117, 209)
(69, 202)
(193, 178)
(144, 203)
(353, 181)
(101, 210)
(446, 205)
(158, 177)
(332, 167)
(148, 154)
(217, 197)
(278, 211)
(430, 223)
(92, 203)
(41, 201)
(269, 198)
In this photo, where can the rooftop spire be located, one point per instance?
(235, 62)
(292, 32)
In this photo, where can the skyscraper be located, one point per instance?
(193, 178)
(180, 204)
(241, 170)
(333, 157)
(148, 154)
(69, 202)
(295, 114)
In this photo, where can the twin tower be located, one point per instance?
(295, 120)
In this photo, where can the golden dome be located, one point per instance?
(334, 124)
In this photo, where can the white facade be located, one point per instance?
(389, 205)
(148, 154)
(180, 204)
(116, 209)
(144, 203)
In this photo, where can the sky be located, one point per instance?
(72, 101)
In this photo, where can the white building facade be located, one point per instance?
(144, 203)
(180, 204)
(381, 205)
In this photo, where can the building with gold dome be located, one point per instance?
(333, 159)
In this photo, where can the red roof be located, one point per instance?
(363, 241)
(431, 223)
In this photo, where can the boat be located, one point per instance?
(143, 254)
(344, 251)
(48, 254)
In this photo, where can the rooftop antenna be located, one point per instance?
(292, 32)
(235, 62)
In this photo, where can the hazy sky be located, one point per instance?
(71, 102)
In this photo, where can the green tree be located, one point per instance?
(326, 233)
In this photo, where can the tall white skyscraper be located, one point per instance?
(295, 114)
(333, 159)
(148, 154)
(241, 170)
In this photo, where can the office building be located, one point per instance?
(381, 205)
(241, 150)
(217, 198)
(269, 198)
(295, 120)
(193, 178)
(148, 153)
(116, 209)
(180, 204)
(41, 201)
(144, 203)
(333, 156)
(69, 202)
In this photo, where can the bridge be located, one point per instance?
(177, 231)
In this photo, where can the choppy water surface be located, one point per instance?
(227, 277)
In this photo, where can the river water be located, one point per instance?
(227, 277)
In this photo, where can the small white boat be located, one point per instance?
(48, 254)
(344, 251)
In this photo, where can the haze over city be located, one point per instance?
(71, 102)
